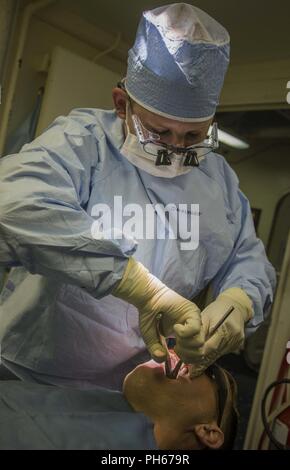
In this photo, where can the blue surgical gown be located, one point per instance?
(59, 323)
(38, 417)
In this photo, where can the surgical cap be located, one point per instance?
(177, 65)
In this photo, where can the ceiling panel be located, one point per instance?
(259, 29)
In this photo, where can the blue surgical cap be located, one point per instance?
(177, 65)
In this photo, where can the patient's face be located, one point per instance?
(175, 406)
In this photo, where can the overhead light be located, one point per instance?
(231, 141)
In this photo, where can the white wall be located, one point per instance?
(90, 86)
(41, 40)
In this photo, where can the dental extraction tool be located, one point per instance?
(172, 373)
(163, 342)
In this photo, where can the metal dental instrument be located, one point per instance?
(220, 322)
(163, 342)
(172, 373)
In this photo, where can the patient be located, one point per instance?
(153, 412)
(187, 413)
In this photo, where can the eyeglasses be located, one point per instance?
(217, 374)
(224, 385)
(153, 145)
(165, 153)
(228, 415)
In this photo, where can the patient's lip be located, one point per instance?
(184, 371)
(174, 359)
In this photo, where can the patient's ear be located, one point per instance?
(210, 435)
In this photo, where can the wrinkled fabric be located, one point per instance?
(177, 65)
(42, 417)
(2, 277)
(58, 322)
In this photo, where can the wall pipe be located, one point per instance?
(29, 10)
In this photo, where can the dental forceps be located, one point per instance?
(172, 373)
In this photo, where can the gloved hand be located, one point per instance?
(230, 335)
(151, 297)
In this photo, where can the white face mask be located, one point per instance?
(134, 152)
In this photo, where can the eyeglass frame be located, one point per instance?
(166, 150)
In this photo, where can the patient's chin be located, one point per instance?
(148, 375)
(142, 377)
(151, 365)
(145, 373)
